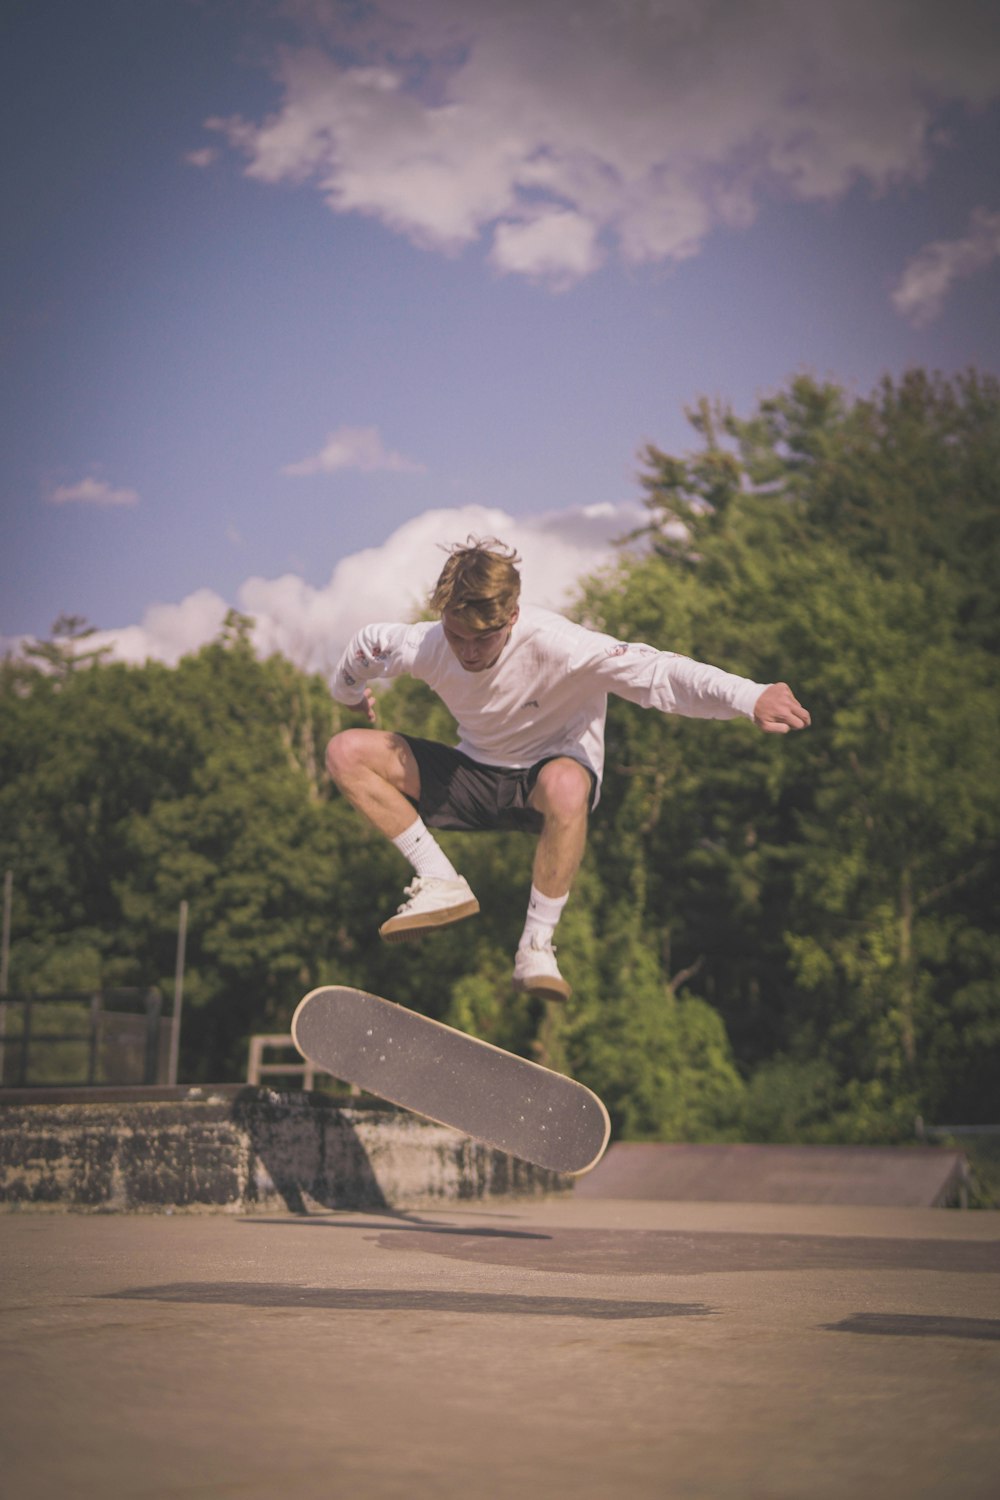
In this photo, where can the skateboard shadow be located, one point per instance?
(399, 1220)
(304, 1153)
(378, 1299)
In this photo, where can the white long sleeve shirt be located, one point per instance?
(547, 693)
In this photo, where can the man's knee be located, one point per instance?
(347, 751)
(563, 789)
(354, 752)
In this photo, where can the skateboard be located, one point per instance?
(452, 1078)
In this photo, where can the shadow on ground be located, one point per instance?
(638, 1252)
(920, 1326)
(374, 1299)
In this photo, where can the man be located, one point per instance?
(528, 690)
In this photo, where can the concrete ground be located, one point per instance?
(560, 1347)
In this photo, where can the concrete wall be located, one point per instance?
(242, 1150)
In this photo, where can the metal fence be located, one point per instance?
(75, 1038)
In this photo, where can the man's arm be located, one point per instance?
(693, 689)
(375, 651)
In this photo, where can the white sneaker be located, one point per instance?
(536, 970)
(431, 902)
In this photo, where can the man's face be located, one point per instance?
(476, 650)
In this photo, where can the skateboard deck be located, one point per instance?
(452, 1078)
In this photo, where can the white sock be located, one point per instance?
(543, 915)
(421, 848)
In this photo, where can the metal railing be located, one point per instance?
(83, 1038)
(257, 1068)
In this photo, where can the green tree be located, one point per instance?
(62, 654)
(836, 888)
(128, 789)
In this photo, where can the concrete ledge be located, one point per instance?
(238, 1150)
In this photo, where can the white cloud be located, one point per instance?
(167, 631)
(354, 448)
(92, 492)
(930, 275)
(563, 128)
(205, 157)
(390, 582)
(559, 245)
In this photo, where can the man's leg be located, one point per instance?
(562, 794)
(377, 772)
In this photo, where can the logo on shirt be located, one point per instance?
(624, 647)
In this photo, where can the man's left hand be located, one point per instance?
(777, 710)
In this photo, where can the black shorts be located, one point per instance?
(460, 793)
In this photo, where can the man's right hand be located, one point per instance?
(777, 710)
(367, 706)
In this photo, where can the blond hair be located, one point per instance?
(479, 583)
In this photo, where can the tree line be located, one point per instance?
(771, 938)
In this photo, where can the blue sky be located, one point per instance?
(293, 292)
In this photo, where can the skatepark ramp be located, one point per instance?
(887, 1176)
